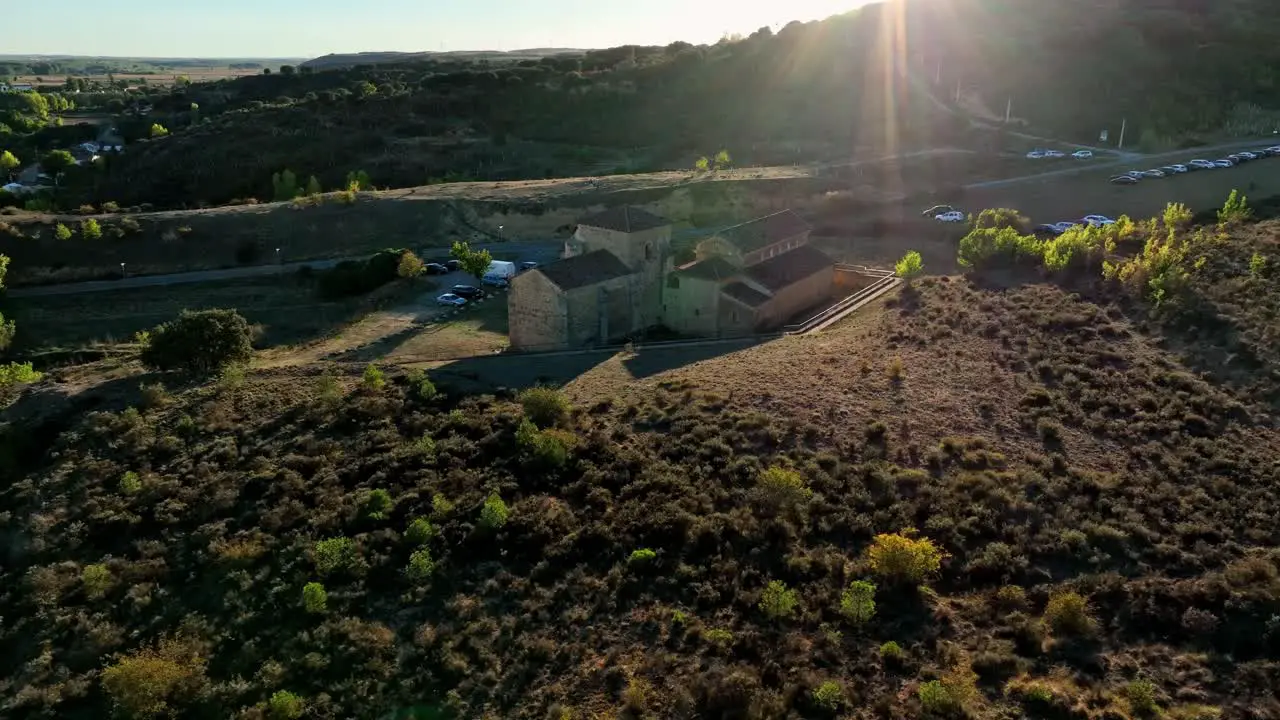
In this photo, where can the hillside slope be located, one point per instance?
(1058, 445)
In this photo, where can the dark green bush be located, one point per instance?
(200, 342)
(355, 277)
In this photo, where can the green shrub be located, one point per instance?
(422, 385)
(425, 446)
(1068, 614)
(96, 580)
(142, 684)
(200, 342)
(420, 565)
(910, 266)
(719, 637)
(377, 504)
(1257, 264)
(1011, 597)
(546, 407)
(420, 532)
(778, 601)
(62, 232)
(936, 698)
(549, 448)
(130, 483)
(373, 378)
(441, 507)
(494, 513)
(90, 229)
(284, 705)
(13, 374)
(1141, 695)
(829, 695)
(642, 556)
(857, 602)
(1236, 209)
(334, 554)
(354, 277)
(782, 486)
(314, 598)
(892, 652)
(903, 558)
(411, 266)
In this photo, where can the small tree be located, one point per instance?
(420, 565)
(858, 602)
(57, 162)
(284, 186)
(723, 160)
(159, 131)
(782, 486)
(777, 601)
(313, 186)
(546, 407)
(334, 554)
(143, 683)
(702, 164)
(358, 180)
(411, 266)
(910, 266)
(62, 232)
(283, 704)
(1235, 210)
(474, 262)
(901, 557)
(90, 229)
(1068, 614)
(420, 532)
(373, 378)
(377, 504)
(96, 580)
(494, 513)
(8, 163)
(315, 599)
(201, 342)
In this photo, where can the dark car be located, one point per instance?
(435, 269)
(467, 291)
(453, 265)
(527, 266)
(1123, 180)
(937, 210)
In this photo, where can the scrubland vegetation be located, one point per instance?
(366, 543)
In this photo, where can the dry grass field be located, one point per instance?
(162, 79)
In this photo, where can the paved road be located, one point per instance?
(536, 251)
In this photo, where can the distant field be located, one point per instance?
(160, 79)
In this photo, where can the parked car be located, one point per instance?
(1136, 174)
(453, 265)
(435, 269)
(1273, 150)
(451, 300)
(1035, 154)
(1202, 164)
(1178, 168)
(1066, 225)
(1082, 154)
(1048, 229)
(525, 266)
(937, 210)
(1123, 180)
(1054, 154)
(497, 281)
(955, 216)
(1224, 163)
(1153, 173)
(467, 291)
(1098, 220)
(1243, 156)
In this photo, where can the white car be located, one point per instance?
(1082, 154)
(1035, 155)
(1098, 220)
(955, 216)
(1179, 168)
(451, 300)
(1203, 164)
(1065, 225)
(1054, 154)
(1224, 163)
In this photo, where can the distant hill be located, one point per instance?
(349, 60)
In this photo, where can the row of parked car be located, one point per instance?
(1133, 177)
(1039, 154)
(1060, 227)
(460, 295)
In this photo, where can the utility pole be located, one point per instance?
(1008, 110)
(1123, 123)
(957, 91)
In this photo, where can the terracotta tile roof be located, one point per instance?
(745, 294)
(625, 218)
(790, 267)
(583, 270)
(713, 268)
(765, 231)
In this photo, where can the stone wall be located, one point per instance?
(537, 315)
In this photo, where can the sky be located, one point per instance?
(309, 28)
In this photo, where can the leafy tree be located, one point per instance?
(90, 229)
(144, 683)
(158, 130)
(8, 163)
(857, 603)
(910, 266)
(546, 407)
(62, 232)
(494, 513)
(334, 554)
(12, 373)
(373, 377)
(723, 160)
(200, 342)
(420, 532)
(96, 580)
(283, 704)
(15, 373)
(702, 164)
(420, 565)
(313, 186)
(284, 186)
(365, 89)
(474, 262)
(377, 504)
(287, 70)
(829, 695)
(411, 266)
(314, 598)
(1067, 613)
(902, 557)
(777, 601)
(358, 180)
(1235, 210)
(780, 486)
(57, 162)
(35, 104)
